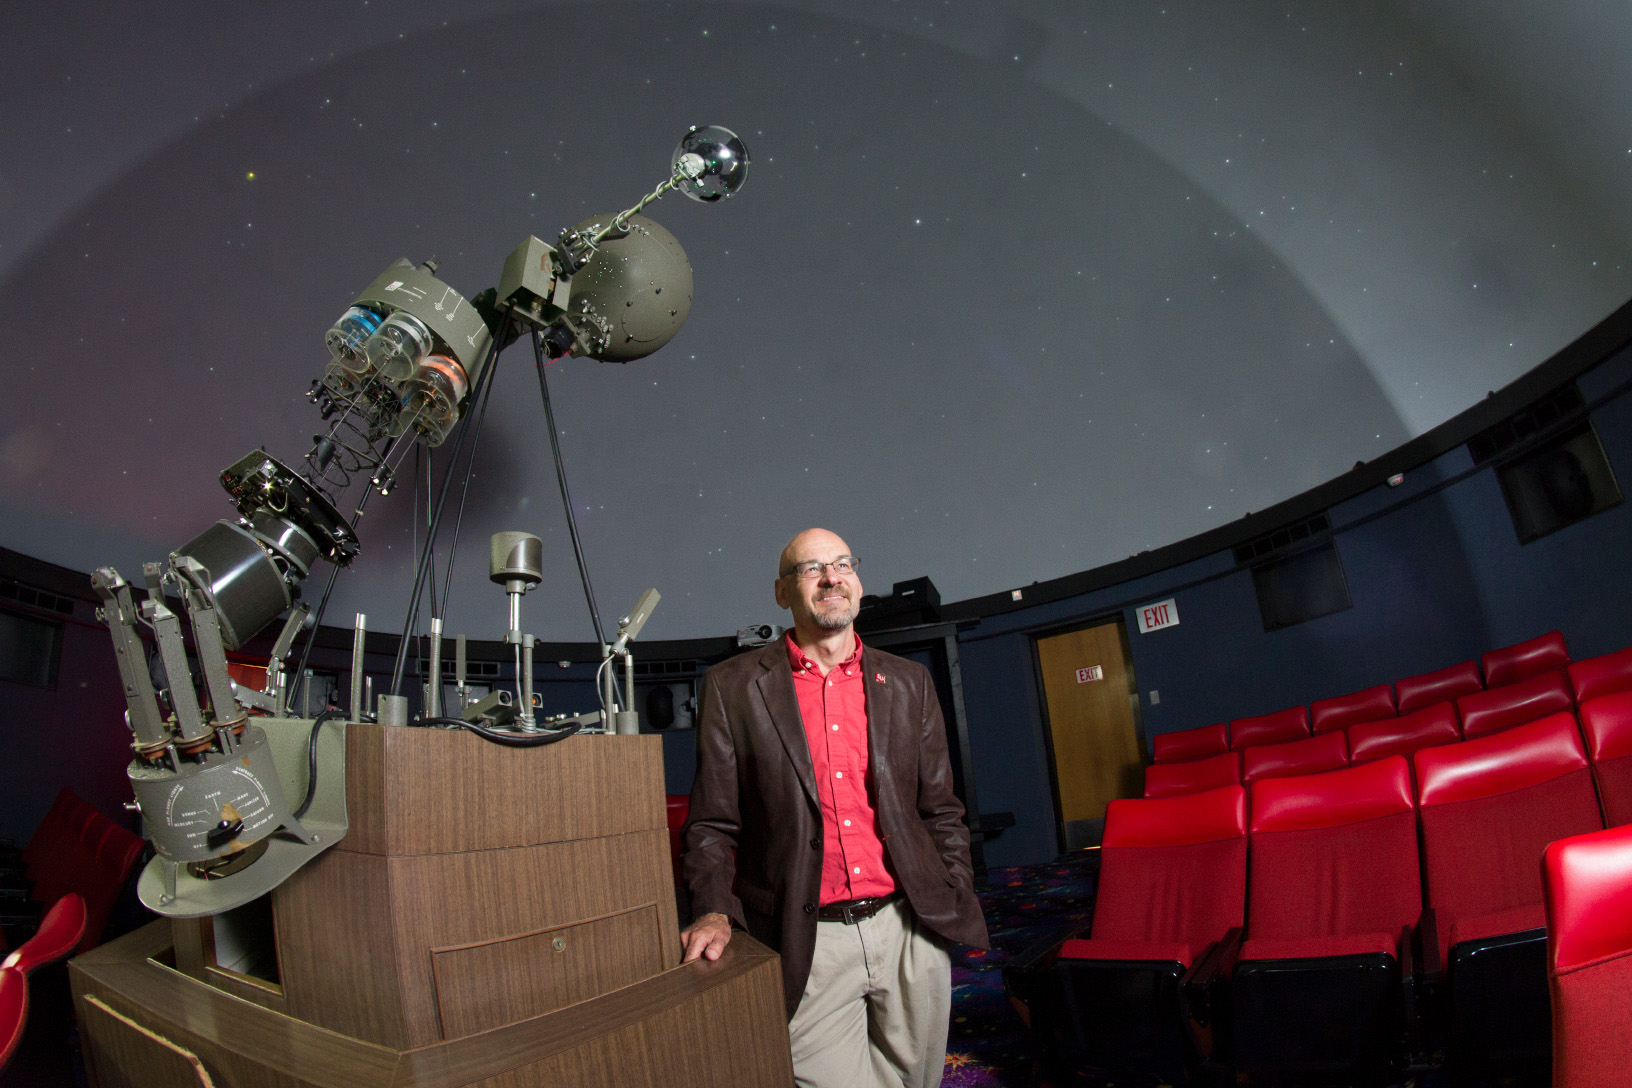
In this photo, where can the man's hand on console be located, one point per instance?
(706, 937)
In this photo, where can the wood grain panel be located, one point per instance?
(337, 946)
(1092, 728)
(487, 985)
(421, 791)
(639, 1035)
(355, 931)
(128, 1055)
(242, 1044)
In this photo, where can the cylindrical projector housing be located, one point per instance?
(431, 399)
(347, 337)
(515, 557)
(246, 588)
(398, 346)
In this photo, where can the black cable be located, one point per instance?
(311, 758)
(492, 365)
(323, 604)
(430, 541)
(512, 740)
(459, 518)
(566, 495)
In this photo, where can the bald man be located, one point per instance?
(823, 822)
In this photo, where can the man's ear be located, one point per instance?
(777, 588)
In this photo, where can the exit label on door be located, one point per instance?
(1154, 617)
(1091, 673)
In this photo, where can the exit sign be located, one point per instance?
(1090, 674)
(1154, 617)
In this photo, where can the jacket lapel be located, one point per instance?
(885, 693)
(776, 689)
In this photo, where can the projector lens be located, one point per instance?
(398, 346)
(431, 398)
(347, 337)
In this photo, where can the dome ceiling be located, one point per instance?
(1005, 296)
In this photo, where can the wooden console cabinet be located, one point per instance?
(495, 916)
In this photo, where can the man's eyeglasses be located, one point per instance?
(810, 568)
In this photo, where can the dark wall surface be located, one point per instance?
(1434, 569)
(1436, 574)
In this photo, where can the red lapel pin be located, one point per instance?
(879, 677)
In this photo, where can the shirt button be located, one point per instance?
(838, 774)
(857, 869)
(847, 823)
(835, 729)
(830, 683)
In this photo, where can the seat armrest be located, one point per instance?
(1427, 948)
(1020, 973)
(1204, 995)
(1200, 987)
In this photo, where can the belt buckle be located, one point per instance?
(849, 916)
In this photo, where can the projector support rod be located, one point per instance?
(465, 429)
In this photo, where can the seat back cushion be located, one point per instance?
(1334, 854)
(1489, 808)
(1193, 776)
(1441, 685)
(1614, 778)
(1344, 710)
(1311, 755)
(1522, 660)
(1173, 870)
(1589, 939)
(1197, 743)
(1602, 675)
(1436, 724)
(1607, 724)
(1288, 724)
(1495, 709)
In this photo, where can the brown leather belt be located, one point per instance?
(851, 911)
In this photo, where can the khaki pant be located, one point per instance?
(875, 1009)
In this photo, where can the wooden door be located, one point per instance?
(1091, 707)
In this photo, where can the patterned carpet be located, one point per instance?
(988, 1045)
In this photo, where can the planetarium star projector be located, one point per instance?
(216, 763)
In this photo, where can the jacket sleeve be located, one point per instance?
(938, 805)
(715, 820)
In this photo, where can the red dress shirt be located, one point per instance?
(834, 709)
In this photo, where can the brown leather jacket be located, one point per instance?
(755, 794)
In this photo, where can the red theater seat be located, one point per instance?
(1607, 723)
(1311, 755)
(1522, 660)
(1496, 709)
(1401, 736)
(1335, 894)
(13, 1011)
(1288, 724)
(679, 807)
(90, 856)
(1489, 807)
(59, 934)
(1346, 710)
(1589, 956)
(1602, 675)
(1174, 779)
(1439, 686)
(1198, 743)
(1172, 883)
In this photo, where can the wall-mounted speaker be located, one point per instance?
(1566, 480)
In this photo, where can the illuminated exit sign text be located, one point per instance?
(1154, 617)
